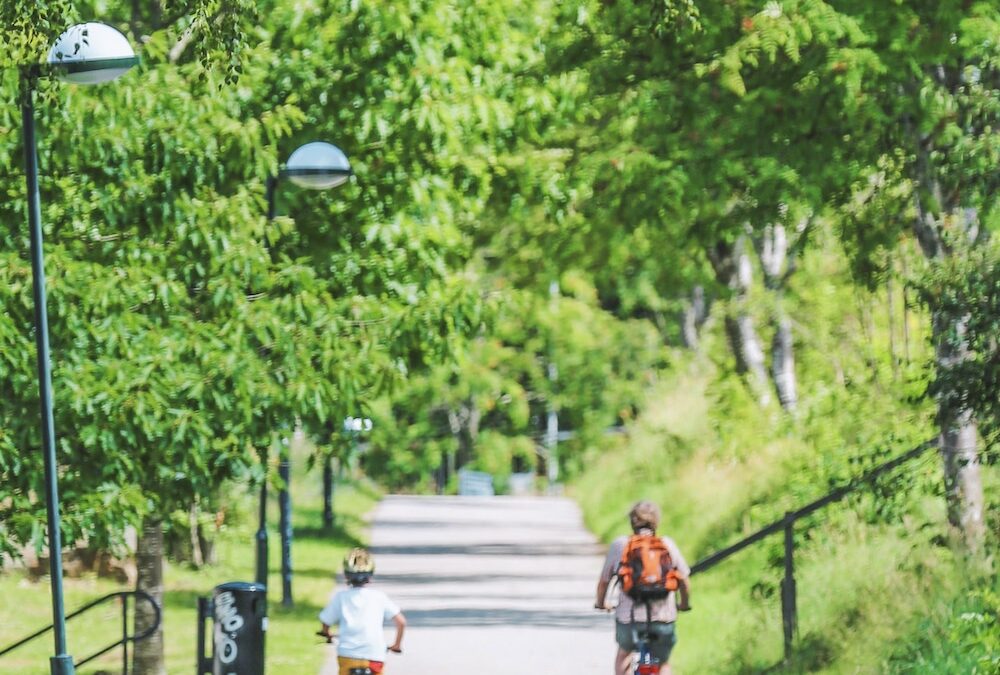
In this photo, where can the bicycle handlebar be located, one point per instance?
(606, 608)
(330, 638)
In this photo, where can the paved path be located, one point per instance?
(491, 586)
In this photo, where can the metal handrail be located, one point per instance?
(787, 524)
(123, 642)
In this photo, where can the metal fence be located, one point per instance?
(789, 612)
(124, 597)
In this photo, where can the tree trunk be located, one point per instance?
(959, 439)
(906, 315)
(772, 248)
(464, 424)
(890, 295)
(328, 493)
(733, 268)
(207, 546)
(455, 425)
(958, 435)
(695, 313)
(195, 534)
(147, 657)
(783, 363)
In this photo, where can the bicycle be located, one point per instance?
(643, 659)
(362, 670)
(646, 663)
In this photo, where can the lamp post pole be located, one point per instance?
(285, 524)
(315, 166)
(61, 663)
(262, 528)
(88, 53)
(552, 414)
(261, 537)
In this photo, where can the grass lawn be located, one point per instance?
(291, 647)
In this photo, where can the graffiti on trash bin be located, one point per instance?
(227, 624)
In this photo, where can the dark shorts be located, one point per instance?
(660, 644)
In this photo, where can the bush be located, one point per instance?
(963, 639)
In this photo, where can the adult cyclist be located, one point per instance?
(360, 613)
(630, 616)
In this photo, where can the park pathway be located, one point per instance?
(492, 586)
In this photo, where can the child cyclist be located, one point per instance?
(360, 612)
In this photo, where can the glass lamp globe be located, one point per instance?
(91, 53)
(318, 166)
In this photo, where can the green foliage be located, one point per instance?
(187, 331)
(965, 638)
(498, 148)
(884, 543)
(966, 291)
(489, 405)
(219, 32)
(497, 454)
(721, 468)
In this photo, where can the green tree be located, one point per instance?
(933, 155)
(487, 409)
(187, 329)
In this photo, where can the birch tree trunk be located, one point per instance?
(464, 425)
(194, 532)
(148, 655)
(733, 268)
(958, 439)
(783, 363)
(695, 313)
(773, 251)
(958, 433)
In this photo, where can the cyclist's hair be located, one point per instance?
(644, 514)
(359, 565)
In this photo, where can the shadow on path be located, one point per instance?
(470, 617)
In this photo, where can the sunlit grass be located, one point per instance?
(863, 587)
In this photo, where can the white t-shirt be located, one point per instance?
(360, 613)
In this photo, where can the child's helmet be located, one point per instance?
(359, 565)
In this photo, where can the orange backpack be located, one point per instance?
(646, 571)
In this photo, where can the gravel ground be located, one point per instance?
(491, 586)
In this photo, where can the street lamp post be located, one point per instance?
(314, 166)
(352, 427)
(88, 53)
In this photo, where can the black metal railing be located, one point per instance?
(789, 612)
(125, 639)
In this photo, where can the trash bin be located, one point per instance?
(239, 613)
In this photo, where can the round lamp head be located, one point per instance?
(91, 53)
(318, 166)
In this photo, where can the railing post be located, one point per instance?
(789, 619)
